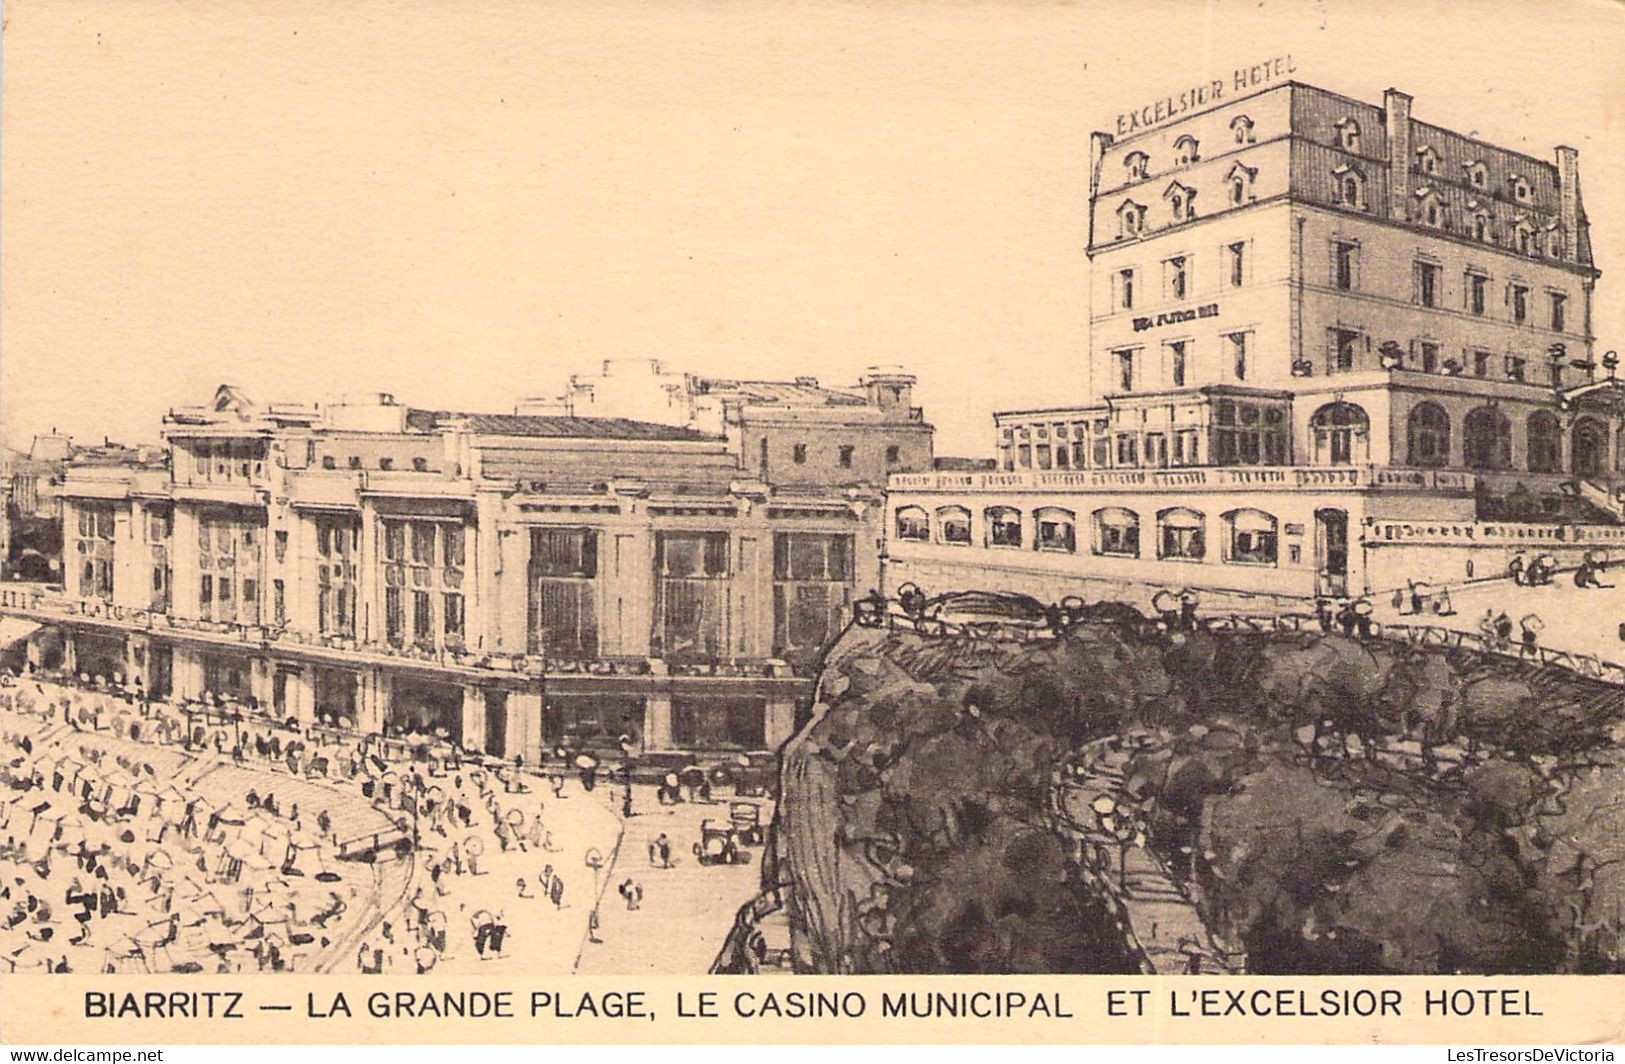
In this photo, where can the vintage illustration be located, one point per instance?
(1278, 632)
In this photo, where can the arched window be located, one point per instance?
(1181, 534)
(1003, 524)
(1250, 537)
(1185, 150)
(1348, 134)
(1427, 433)
(953, 525)
(1478, 175)
(1242, 127)
(913, 524)
(1588, 448)
(1487, 439)
(1520, 188)
(1523, 238)
(1057, 529)
(1117, 532)
(1342, 434)
(1544, 440)
(1136, 162)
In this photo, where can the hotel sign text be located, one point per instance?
(1241, 80)
(1174, 317)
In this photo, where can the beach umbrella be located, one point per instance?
(586, 761)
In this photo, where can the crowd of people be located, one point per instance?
(114, 858)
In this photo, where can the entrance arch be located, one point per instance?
(1588, 443)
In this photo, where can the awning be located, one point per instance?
(16, 629)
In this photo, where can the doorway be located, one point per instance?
(1332, 552)
(496, 723)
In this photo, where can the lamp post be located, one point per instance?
(626, 768)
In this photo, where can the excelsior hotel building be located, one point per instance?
(514, 583)
(1332, 347)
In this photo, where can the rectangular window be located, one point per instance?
(1428, 355)
(1128, 446)
(1125, 289)
(1559, 306)
(1344, 347)
(422, 543)
(422, 619)
(394, 617)
(691, 594)
(1237, 254)
(1520, 303)
(845, 455)
(336, 574)
(1125, 369)
(1477, 286)
(564, 593)
(1345, 262)
(279, 602)
(1481, 363)
(798, 453)
(451, 542)
(451, 610)
(1427, 284)
(1178, 279)
(206, 591)
(1515, 368)
(1238, 354)
(1176, 360)
(224, 590)
(812, 580)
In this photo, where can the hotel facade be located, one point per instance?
(1332, 347)
(514, 583)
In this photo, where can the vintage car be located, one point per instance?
(747, 822)
(719, 844)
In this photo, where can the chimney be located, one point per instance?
(1396, 110)
(1568, 200)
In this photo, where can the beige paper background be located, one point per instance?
(462, 203)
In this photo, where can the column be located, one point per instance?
(780, 722)
(657, 722)
(524, 726)
(187, 675)
(372, 700)
(473, 718)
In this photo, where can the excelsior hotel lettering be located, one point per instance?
(1174, 317)
(1242, 79)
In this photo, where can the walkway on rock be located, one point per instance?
(1164, 923)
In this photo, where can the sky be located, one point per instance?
(464, 203)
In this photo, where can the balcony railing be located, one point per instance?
(1233, 478)
(47, 605)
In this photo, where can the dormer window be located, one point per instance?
(1554, 242)
(1242, 127)
(1520, 188)
(1349, 186)
(1478, 175)
(1430, 210)
(1137, 163)
(1240, 183)
(1130, 219)
(1185, 150)
(1481, 227)
(1523, 238)
(1427, 160)
(1181, 202)
(1348, 134)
